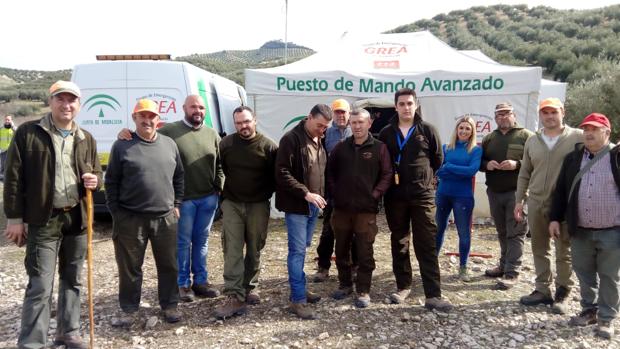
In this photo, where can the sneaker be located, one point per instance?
(123, 319)
(496, 272)
(560, 301)
(605, 329)
(252, 297)
(585, 318)
(507, 282)
(536, 298)
(464, 274)
(186, 294)
(439, 304)
(400, 296)
(70, 342)
(302, 310)
(312, 297)
(205, 290)
(229, 307)
(362, 300)
(321, 275)
(172, 315)
(342, 293)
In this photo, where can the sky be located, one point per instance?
(52, 35)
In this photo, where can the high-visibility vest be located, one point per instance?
(6, 134)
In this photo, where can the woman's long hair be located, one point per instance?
(471, 142)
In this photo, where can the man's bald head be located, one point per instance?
(194, 109)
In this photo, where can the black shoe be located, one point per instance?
(172, 315)
(205, 290)
(585, 318)
(560, 300)
(536, 298)
(496, 272)
(342, 293)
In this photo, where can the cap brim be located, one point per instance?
(504, 109)
(145, 110)
(65, 90)
(593, 123)
(556, 107)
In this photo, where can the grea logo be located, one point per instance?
(102, 101)
(385, 49)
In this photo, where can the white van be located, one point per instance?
(110, 89)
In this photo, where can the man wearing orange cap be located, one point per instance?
(144, 189)
(540, 167)
(50, 163)
(587, 198)
(339, 130)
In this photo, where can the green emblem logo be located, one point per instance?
(102, 100)
(294, 121)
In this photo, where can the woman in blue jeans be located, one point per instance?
(455, 192)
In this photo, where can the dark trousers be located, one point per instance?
(363, 228)
(327, 239)
(60, 239)
(418, 214)
(131, 235)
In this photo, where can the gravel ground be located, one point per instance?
(483, 318)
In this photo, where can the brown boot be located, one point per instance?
(186, 294)
(205, 290)
(302, 310)
(229, 307)
(321, 275)
(252, 297)
(312, 297)
(70, 342)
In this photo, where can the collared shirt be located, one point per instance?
(599, 197)
(65, 178)
(192, 126)
(335, 135)
(317, 159)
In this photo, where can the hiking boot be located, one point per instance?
(70, 342)
(439, 304)
(172, 315)
(252, 297)
(321, 275)
(302, 310)
(342, 293)
(585, 318)
(560, 301)
(186, 294)
(507, 282)
(312, 297)
(229, 307)
(496, 272)
(205, 290)
(362, 300)
(536, 298)
(124, 319)
(605, 329)
(399, 296)
(464, 274)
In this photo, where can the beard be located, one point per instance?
(195, 119)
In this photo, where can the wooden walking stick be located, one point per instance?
(89, 259)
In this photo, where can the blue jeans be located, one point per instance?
(193, 238)
(597, 266)
(462, 208)
(299, 229)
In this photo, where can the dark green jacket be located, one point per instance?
(30, 172)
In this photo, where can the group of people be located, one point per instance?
(165, 185)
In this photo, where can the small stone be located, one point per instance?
(323, 336)
(512, 343)
(179, 331)
(369, 335)
(245, 340)
(518, 337)
(405, 317)
(151, 322)
(429, 346)
(349, 336)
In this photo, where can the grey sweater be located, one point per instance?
(144, 177)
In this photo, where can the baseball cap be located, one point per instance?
(554, 103)
(596, 120)
(61, 86)
(504, 106)
(146, 105)
(341, 104)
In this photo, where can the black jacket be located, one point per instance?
(561, 209)
(421, 157)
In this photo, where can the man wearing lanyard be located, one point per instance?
(415, 150)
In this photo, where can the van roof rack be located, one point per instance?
(153, 57)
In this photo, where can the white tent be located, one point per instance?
(548, 88)
(449, 84)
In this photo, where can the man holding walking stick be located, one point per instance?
(50, 164)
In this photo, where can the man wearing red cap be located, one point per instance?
(144, 189)
(50, 163)
(339, 130)
(587, 198)
(540, 167)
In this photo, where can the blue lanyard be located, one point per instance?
(401, 143)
